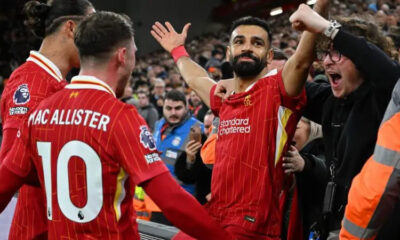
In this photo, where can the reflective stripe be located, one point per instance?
(120, 193)
(357, 231)
(281, 135)
(387, 156)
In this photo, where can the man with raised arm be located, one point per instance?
(256, 122)
(90, 150)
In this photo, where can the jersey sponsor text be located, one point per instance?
(236, 125)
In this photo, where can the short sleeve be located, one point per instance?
(296, 103)
(215, 101)
(135, 147)
(18, 160)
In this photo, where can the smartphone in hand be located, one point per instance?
(195, 133)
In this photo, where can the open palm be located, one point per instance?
(167, 36)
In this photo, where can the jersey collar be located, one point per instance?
(89, 82)
(46, 64)
(270, 73)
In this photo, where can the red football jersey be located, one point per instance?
(29, 84)
(254, 130)
(89, 150)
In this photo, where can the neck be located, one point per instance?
(242, 83)
(103, 73)
(60, 56)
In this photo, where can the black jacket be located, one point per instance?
(350, 125)
(311, 182)
(197, 173)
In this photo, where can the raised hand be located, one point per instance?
(307, 19)
(167, 37)
(191, 149)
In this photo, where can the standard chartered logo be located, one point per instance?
(236, 125)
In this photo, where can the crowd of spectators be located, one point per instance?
(156, 73)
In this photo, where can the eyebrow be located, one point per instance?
(238, 36)
(177, 107)
(258, 38)
(252, 37)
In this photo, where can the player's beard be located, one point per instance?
(247, 69)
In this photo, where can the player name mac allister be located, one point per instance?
(82, 117)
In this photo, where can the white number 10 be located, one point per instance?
(93, 178)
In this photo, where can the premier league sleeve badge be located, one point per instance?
(22, 95)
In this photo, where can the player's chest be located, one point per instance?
(255, 108)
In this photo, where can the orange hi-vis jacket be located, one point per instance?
(375, 190)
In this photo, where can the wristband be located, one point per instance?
(179, 52)
(332, 30)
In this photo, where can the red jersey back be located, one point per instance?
(29, 84)
(89, 150)
(254, 130)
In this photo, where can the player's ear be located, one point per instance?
(228, 53)
(270, 55)
(69, 28)
(121, 55)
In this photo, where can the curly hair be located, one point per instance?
(362, 26)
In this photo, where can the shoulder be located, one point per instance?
(272, 78)
(28, 69)
(27, 76)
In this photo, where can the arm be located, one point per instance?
(187, 165)
(306, 165)
(194, 75)
(315, 168)
(9, 135)
(295, 71)
(9, 185)
(182, 209)
(184, 172)
(317, 94)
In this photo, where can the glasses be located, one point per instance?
(333, 54)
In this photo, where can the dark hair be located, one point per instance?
(139, 83)
(362, 26)
(44, 19)
(249, 20)
(215, 52)
(98, 34)
(176, 95)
